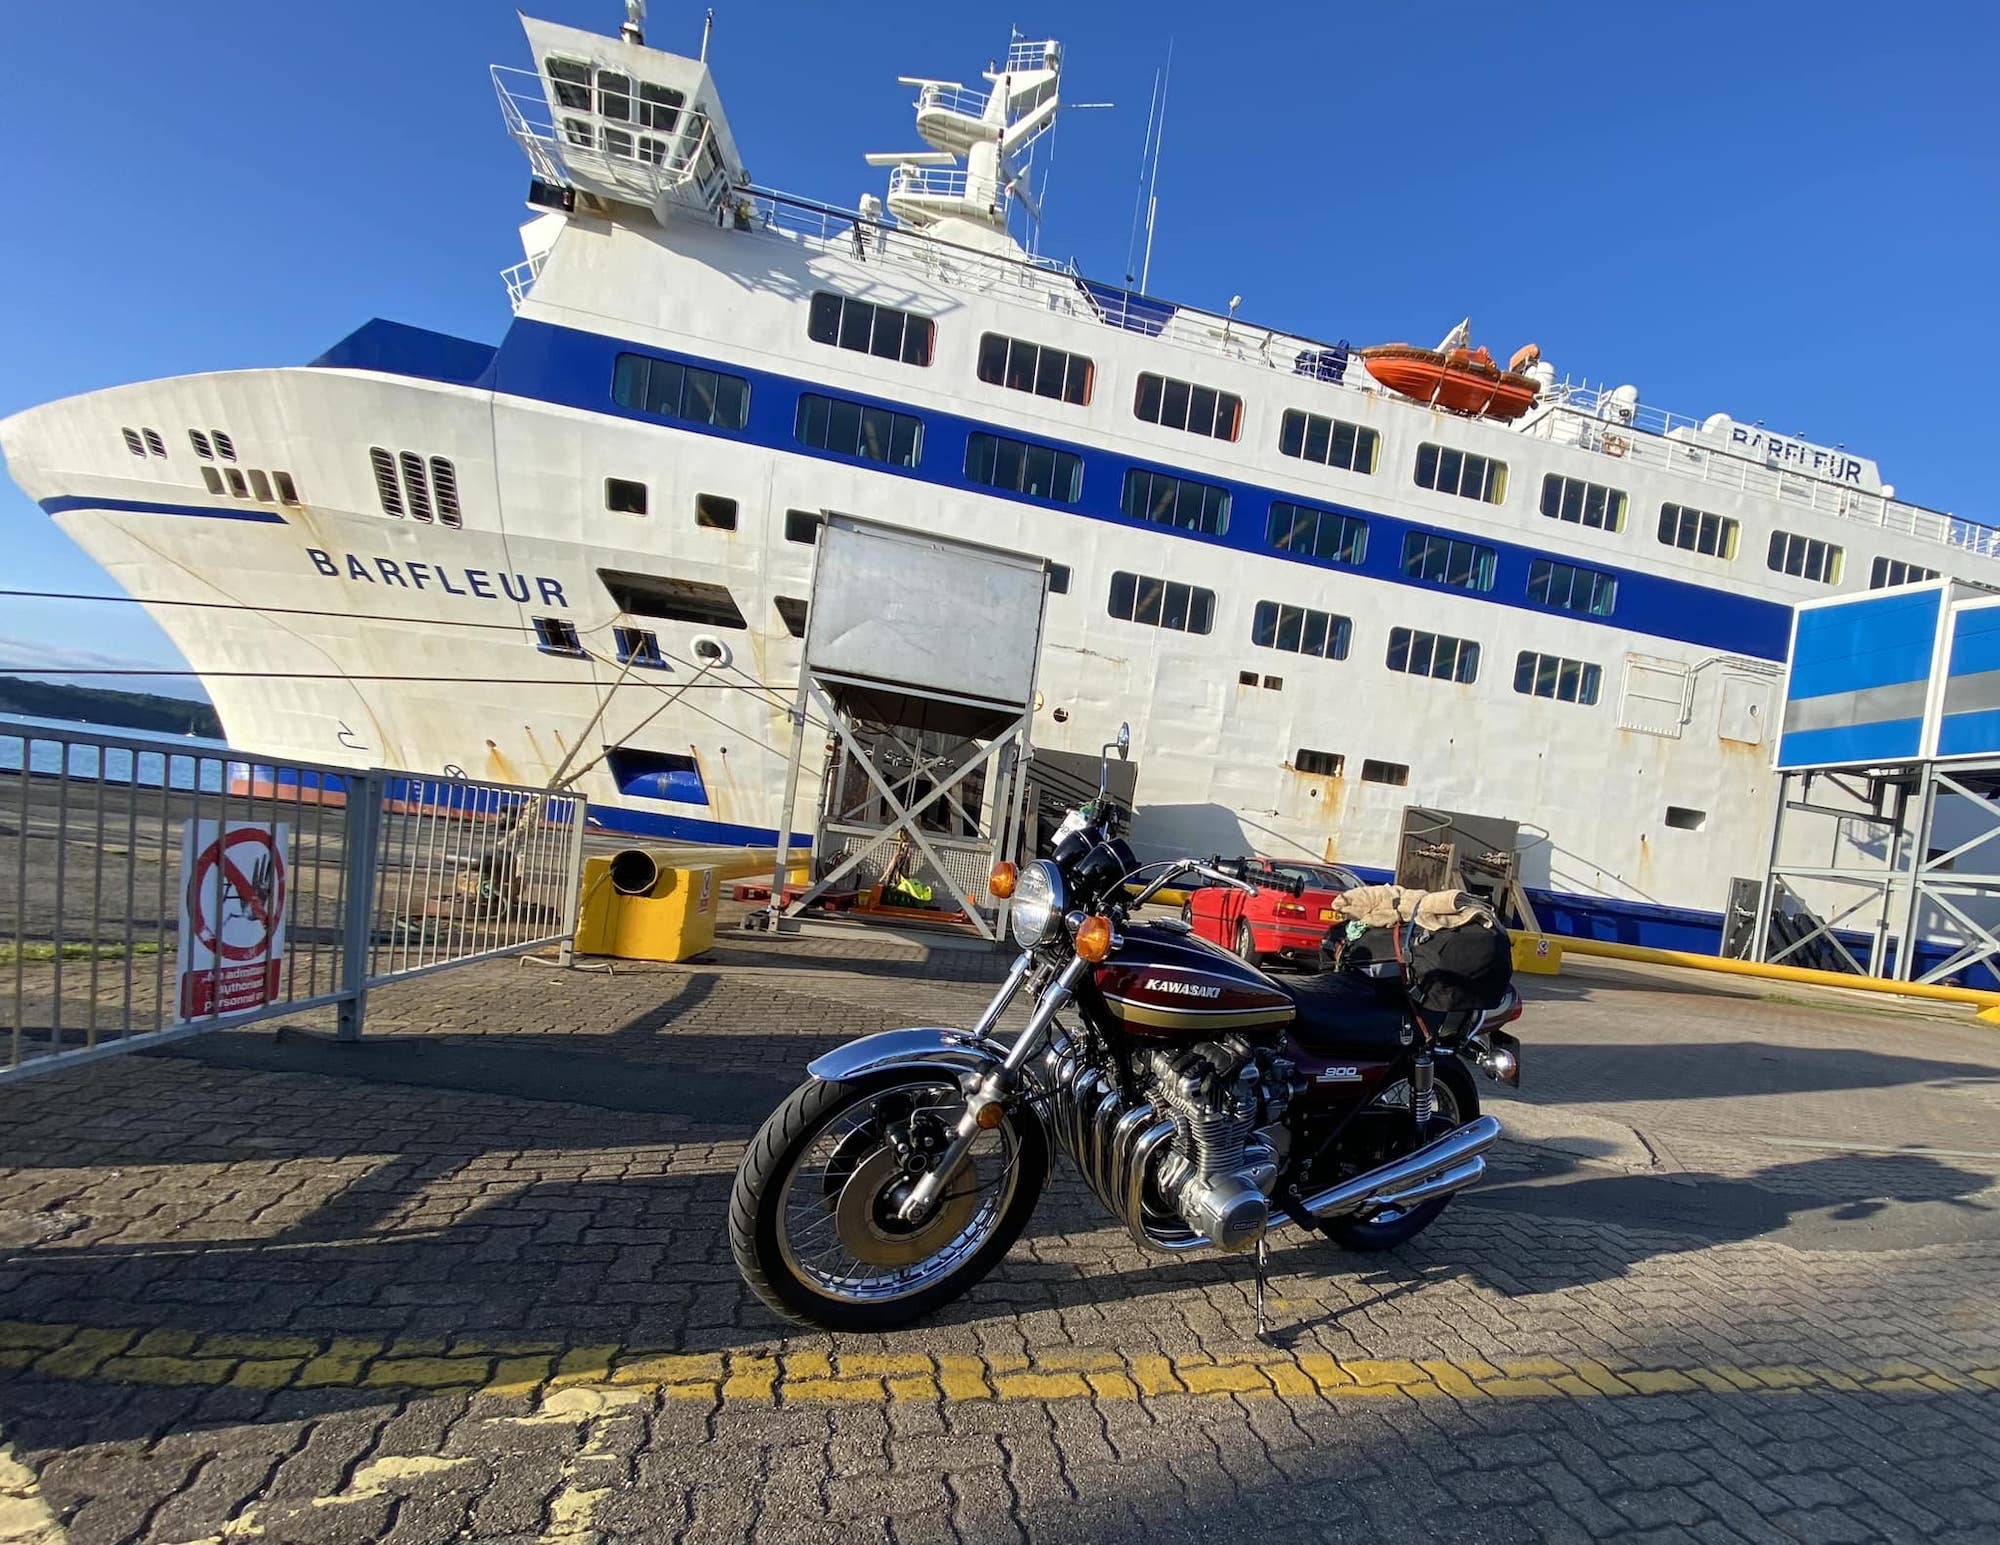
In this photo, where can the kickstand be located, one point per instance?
(1263, 1260)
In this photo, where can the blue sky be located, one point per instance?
(1784, 211)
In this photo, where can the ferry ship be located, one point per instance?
(1318, 599)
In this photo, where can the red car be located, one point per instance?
(1273, 924)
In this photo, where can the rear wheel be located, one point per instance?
(1246, 944)
(1454, 1101)
(812, 1217)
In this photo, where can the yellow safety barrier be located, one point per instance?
(1538, 954)
(636, 908)
(1988, 1003)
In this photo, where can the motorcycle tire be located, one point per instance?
(758, 1195)
(1367, 1236)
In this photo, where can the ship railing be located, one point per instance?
(673, 159)
(153, 889)
(1567, 424)
(520, 278)
(1028, 54)
(954, 99)
(930, 182)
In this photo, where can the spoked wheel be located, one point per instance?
(1454, 1101)
(813, 1217)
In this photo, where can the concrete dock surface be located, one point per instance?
(1735, 1275)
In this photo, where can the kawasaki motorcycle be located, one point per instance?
(1203, 1101)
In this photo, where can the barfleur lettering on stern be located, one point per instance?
(475, 584)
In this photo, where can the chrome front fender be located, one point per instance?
(920, 1046)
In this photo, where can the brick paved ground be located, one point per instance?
(469, 1282)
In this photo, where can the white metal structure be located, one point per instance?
(1316, 601)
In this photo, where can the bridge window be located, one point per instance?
(1035, 367)
(1461, 473)
(1806, 557)
(1177, 502)
(1162, 603)
(866, 328)
(1301, 630)
(855, 429)
(1321, 764)
(1016, 466)
(1200, 410)
(571, 80)
(1893, 571)
(1583, 504)
(614, 95)
(1572, 589)
(675, 600)
(1300, 528)
(666, 389)
(1417, 653)
(1697, 531)
(1329, 441)
(1446, 561)
(1547, 675)
(659, 107)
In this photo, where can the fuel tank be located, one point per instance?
(1168, 985)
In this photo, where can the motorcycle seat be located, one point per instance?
(1341, 1013)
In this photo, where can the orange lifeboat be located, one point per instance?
(1464, 380)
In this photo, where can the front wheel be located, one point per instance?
(1454, 1101)
(812, 1217)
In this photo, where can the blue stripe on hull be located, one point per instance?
(574, 369)
(63, 502)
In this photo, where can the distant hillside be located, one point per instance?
(126, 710)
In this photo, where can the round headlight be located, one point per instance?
(1038, 905)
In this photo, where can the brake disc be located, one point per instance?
(869, 1229)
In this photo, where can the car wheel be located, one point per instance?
(1246, 944)
(1187, 912)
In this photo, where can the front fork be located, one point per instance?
(986, 1094)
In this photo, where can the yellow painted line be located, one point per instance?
(593, 1375)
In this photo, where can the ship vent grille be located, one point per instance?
(416, 486)
(133, 443)
(154, 443)
(200, 443)
(444, 486)
(385, 481)
(224, 446)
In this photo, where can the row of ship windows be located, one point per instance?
(1185, 608)
(869, 433)
(224, 482)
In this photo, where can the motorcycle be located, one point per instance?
(1203, 1102)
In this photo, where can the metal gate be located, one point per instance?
(151, 891)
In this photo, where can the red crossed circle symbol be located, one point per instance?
(228, 852)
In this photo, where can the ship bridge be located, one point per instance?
(616, 121)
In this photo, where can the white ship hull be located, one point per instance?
(344, 632)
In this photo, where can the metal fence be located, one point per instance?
(151, 890)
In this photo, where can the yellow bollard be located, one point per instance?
(636, 910)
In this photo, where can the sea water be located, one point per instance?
(182, 762)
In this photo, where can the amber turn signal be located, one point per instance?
(990, 1115)
(1093, 938)
(1002, 880)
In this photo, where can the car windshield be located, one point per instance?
(1317, 876)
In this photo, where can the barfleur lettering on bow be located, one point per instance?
(477, 584)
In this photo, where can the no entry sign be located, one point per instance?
(233, 894)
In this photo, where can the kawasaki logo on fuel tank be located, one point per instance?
(1180, 989)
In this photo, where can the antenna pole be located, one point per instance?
(707, 28)
(634, 30)
(1152, 193)
(1139, 194)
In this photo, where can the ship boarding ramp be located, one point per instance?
(919, 681)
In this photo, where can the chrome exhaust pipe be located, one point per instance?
(1448, 1164)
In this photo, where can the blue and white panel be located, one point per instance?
(1861, 678)
(1969, 717)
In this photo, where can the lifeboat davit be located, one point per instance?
(1464, 380)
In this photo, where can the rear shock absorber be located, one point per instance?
(1422, 1072)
